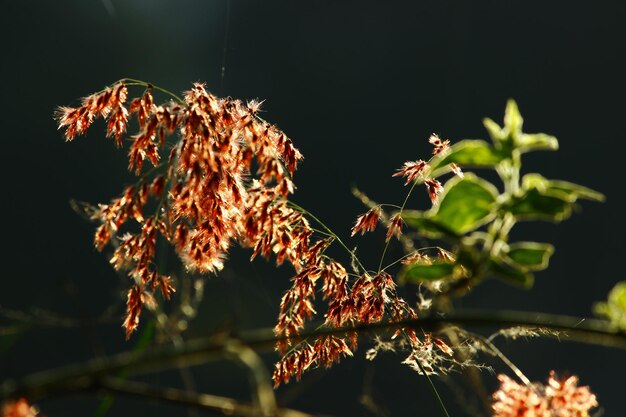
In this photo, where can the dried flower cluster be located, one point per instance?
(18, 408)
(426, 357)
(368, 300)
(420, 170)
(367, 222)
(558, 398)
(225, 181)
(414, 172)
(108, 104)
(205, 195)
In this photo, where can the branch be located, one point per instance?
(38, 318)
(83, 376)
(219, 405)
(260, 378)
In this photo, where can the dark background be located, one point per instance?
(358, 86)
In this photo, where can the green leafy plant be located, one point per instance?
(475, 218)
(614, 309)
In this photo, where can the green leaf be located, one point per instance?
(510, 138)
(467, 153)
(615, 307)
(576, 191)
(425, 272)
(495, 131)
(426, 226)
(536, 142)
(531, 255)
(535, 180)
(466, 204)
(511, 273)
(533, 204)
(513, 120)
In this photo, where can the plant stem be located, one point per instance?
(504, 359)
(216, 404)
(333, 234)
(432, 386)
(406, 199)
(147, 84)
(408, 255)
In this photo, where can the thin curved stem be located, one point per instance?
(504, 359)
(406, 199)
(333, 234)
(435, 391)
(408, 255)
(156, 87)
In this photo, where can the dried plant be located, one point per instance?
(19, 408)
(205, 196)
(226, 181)
(222, 176)
(558, 398)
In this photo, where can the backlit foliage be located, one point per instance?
(222, 176)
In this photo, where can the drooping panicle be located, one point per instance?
(367, 222)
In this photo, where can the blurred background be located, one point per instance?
(359, 86)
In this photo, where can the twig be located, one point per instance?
(217, 404)
(504, 359)
(38, 318)
(260, 378)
